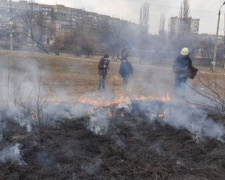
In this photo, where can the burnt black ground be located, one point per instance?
(133, 148)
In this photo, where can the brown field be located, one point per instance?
(77, 76)
(135, 144)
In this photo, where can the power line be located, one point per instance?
(172, 7)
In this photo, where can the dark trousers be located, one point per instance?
(101, 84)
(125, 80)
(180, 85)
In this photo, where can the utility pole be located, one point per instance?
(224, 40)
(11, 25)
(224, 30)
(216, 39)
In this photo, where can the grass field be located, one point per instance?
(140, 139)
(77, 76)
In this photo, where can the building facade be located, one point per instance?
(60, 18)
(191, 25)
(4, 15)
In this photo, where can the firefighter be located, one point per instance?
(126, 70)
(182, 68)
(103, 67)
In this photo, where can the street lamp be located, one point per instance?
(216, 40)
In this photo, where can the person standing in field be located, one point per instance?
(103, 67)
(211, 67)
(126, 70)
(182, 68)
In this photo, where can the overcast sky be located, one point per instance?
(205, 10)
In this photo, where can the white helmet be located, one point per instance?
(184, 51)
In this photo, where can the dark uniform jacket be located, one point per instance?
(182, 66)
(103, 66)
(126, 69)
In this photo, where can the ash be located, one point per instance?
(148, 140)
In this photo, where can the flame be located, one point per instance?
(54, 99)
(193, 106)
(110, 115)
(34, 115)
(119, 99)
(100, 101)
(90, 101)
(162, 115)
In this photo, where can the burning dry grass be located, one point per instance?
(116, 137)
(132, 149)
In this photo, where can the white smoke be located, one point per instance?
(12, 154)
(2, 127)
(125, 105)
(193, 119)
(92, 168)
(19, 82)
(99, 122)
(182, 116)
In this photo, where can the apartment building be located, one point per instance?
(192, 25)
(60, 18)
(4, 14)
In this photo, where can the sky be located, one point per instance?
(205, 10)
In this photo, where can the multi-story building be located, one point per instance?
(195, 25)
(4, 14)
(174, 25)
(60, 18)
(192, 25)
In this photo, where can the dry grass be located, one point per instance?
(77, 76)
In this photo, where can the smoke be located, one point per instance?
(2, 127)
(46, 160)
(119, 142)
(79, 110)
(125, 105)
(92, 168)
(12, 154)
(99, 121)
(181, 115)
(18, 90)
(194, 120)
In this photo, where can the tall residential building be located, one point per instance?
(4, 14)
(195, 25)
(59, 18)
(175, 23)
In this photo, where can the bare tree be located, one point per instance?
(213, 90)
(206, 47)
(144, 16)
(80, 41)
(32, 24)
(162, 26)
(184, 17)
(184, 37)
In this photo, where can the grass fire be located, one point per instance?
(58, 125)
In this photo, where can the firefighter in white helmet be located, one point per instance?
(182, 68)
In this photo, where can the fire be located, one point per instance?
(110, 115)
(97, 101)
(34, 115)
(193, 106)
(119, 99)
(90, 101)
(162, 115)
(122, 114)
(54, 99)
(163, 98)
